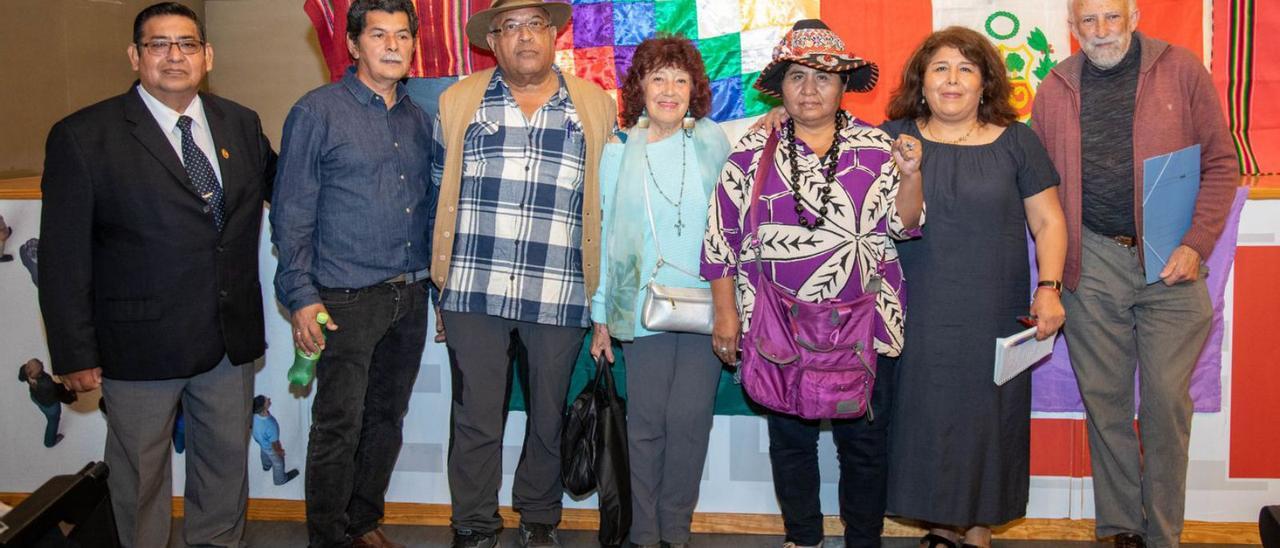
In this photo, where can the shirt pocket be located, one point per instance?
(480, 138)
(573, 134)
(480, 131)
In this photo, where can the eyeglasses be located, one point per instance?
(512, 28)
(161, 48)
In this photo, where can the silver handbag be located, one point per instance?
(676, 309)
(679, 309)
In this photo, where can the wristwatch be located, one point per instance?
(1056, 285)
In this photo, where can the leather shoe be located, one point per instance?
(932, 540)
(538, 534)
(1128, 540)
(466, 538)
(374, 539)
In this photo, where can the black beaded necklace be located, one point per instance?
(827, 165)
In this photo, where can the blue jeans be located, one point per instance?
(272, 460)
(863, 449)
(53, 417)
(363, 382)
(179, 433)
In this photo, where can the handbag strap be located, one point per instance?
(653, 227)
(604, 375)
(763, 167)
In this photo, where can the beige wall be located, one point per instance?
(57, 56)
(265, 56)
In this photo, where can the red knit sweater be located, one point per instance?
(1176, 107)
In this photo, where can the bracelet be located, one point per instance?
(1056, 285)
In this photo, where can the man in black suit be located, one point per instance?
(149, 244)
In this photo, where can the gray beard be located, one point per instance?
(1105, 59)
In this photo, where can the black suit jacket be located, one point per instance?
(134, 277)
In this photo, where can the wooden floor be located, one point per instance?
(289, 534)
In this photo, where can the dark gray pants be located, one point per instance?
(671, 395)
(217, 406)
(481, 349)
(1116, 323)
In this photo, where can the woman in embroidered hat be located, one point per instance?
(667, 162)
(833, 194)
(961, 444)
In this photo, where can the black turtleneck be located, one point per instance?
(1106, 143)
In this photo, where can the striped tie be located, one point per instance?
(201, 172)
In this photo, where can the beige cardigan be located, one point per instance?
(459, 103)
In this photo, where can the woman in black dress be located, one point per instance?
(960, 445)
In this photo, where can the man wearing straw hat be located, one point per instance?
(516, 256)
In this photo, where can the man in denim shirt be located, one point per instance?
(351, 218)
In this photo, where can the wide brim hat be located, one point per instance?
(813, 44)
(478, 25)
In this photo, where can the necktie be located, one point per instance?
(201, 171)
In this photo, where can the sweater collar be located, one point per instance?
(1069, 69)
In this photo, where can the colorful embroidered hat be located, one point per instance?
(813, 44)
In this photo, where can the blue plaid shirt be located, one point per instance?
(517, 251)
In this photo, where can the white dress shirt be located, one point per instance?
(168, 120)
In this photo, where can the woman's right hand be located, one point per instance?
(726, 326)
(601, 343)
(725, 332)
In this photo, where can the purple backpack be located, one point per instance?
(811, 360)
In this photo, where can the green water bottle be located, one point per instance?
(304, 364)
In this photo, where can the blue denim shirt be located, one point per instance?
(353, 200)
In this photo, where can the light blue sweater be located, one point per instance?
(684, 249)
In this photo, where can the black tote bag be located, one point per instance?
(593, 453)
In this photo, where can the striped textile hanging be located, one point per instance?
(1238, 19)
(442, 48)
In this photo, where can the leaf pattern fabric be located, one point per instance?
(836, 261)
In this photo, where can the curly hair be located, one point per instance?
(657, 53)
(994, 108)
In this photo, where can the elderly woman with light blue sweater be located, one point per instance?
(656, 180)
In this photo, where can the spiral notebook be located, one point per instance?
(1017, 353)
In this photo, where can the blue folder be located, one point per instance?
(1170, 184)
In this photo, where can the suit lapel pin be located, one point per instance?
(225, 154)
